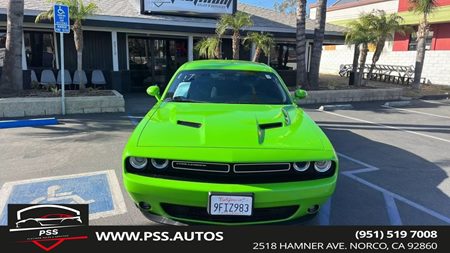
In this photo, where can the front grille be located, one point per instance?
(201, 214)
(261, 167)
(201, 166)
(231, 173)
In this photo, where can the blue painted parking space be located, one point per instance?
(99, 189)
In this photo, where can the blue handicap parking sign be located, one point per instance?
(61, 18)
(100, 190)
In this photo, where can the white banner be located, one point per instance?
(200, 7)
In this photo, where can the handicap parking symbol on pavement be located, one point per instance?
(100, 190)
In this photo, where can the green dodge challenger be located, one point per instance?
(227, 144)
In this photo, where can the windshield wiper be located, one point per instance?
(184, 100)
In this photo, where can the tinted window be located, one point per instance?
(230, 87)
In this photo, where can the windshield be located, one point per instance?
(227, 87)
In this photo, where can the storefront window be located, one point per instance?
(283, 57)
(154, 60)
(40, 50)
(412, 45)
(2, 47)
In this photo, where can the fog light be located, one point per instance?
(322, 166)
(313, 209)
(144, 205)
(160, 163)
(301, 166)
(138, 163)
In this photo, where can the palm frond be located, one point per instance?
(46, 15)
(207, 47)
(264, 41)
(78, 10)
(235, 22)
(422, 6)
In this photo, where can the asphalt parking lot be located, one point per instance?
(395, 164)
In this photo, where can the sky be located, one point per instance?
(269, 3)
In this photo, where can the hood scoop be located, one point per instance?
(270, 125)
(189, 124)
(263, 127)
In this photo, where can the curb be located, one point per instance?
(350, 96)
(335, 107)
(435, 97)
(397, 103)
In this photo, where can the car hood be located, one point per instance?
(230, 126)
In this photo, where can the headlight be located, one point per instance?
(301, 166)
(322, 166)
(138, 162)
(160, 163)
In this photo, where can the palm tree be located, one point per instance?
(302, 78)
(319, 34)
(209, 47)
(12, 77)
(360, 35)
(383, 26)
(424, 8)
(262, 41)
(78, 12)
(235, 22)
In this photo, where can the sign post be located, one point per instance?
(61, 26)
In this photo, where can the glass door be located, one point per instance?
(140, 62)
(154, 60)
(160, 62)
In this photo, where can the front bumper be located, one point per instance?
(160, 193)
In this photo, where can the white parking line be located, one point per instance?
(387, 126)
(400, 198)
(372, 168)
(434, 102)
(414, 111)
(389, 197)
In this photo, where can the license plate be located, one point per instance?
(235, 205)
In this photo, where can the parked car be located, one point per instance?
(227, 144)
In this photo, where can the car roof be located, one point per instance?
(226, 65)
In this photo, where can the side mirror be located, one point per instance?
(154, 92)
(300, 94)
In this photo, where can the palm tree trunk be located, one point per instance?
(78, 37)
(236, 39)
(376, 56)
(257, 54)
(362, 63)
(12, 75)
(319, 32)
(301, 45)
(355, 63)
(420, 55)
(218, 50)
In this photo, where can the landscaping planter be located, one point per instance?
(357, 95)
(43, 106)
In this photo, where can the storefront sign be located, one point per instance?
(190, 7)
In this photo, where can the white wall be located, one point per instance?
(354, 12)
(350, 13)
(436, 67)
(312, 13)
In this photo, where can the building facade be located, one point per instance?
(136, 46)
(400, 50)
